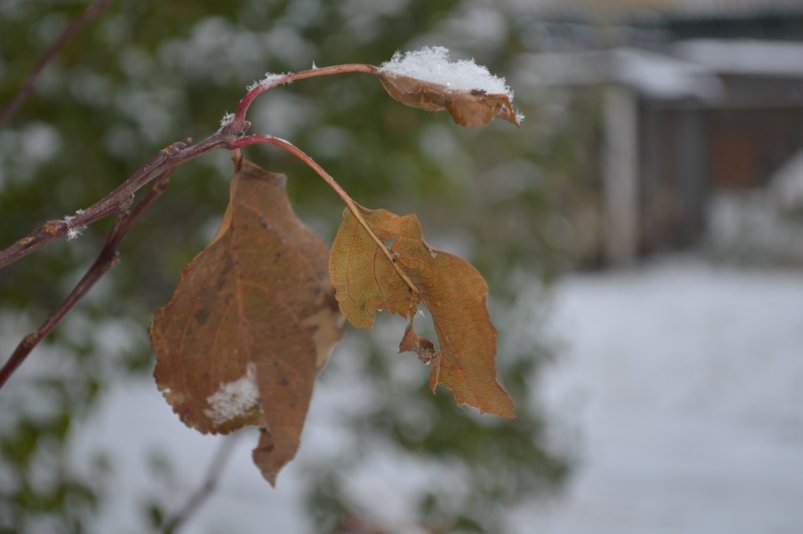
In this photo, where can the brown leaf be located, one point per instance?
(252, 321)
(365, 280)
(467, 108)
(412, 342)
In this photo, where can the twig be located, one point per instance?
(207, 487)
(107, 259)
(173, 155)
(283, 79)
(115, 202)
(72, 28)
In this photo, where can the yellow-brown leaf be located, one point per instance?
(450, 287)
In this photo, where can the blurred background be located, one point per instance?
(642, 234)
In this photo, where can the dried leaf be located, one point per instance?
(252, 321)
(467, 108)
(365, 280)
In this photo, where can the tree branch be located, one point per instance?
(116, 201)
(213, 473)
(233, 127)
(107, 259)
(30, 82)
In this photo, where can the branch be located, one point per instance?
(213, 473)
(115, 202)
(233, 127)
(107, 259)
(72, 28)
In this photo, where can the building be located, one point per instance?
(699, 98)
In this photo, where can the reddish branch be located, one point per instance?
(167, 158)
(276, 80)
(107, 259)
(30, 82)
(171, 156)
(231, 135)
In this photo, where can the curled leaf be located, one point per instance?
(467, 108)
(455, 293)
(428, 79)
(251, 322)
(412, 342)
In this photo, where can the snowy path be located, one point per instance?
(681, 391)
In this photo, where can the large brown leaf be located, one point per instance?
(366, 280)
(251, 322)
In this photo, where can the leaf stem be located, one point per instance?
(352, 206)
(260, 87)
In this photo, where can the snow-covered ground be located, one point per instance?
(681, 393)
(678, 387)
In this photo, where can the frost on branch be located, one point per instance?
(73, 231)
(271, 79)
(226, 120)
(428, 80)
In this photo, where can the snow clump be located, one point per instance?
(432, 64)
(233, 399)
(73, 232)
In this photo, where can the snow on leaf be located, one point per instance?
(427, 79)
(234, 399)
(365, 280)
(432, 64)
(251, 322)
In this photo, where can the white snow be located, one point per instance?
(136, 425)
(73, 232)
(432, 64)
(226, 120)
(680, 393)
(234, 398)
(271, 79)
